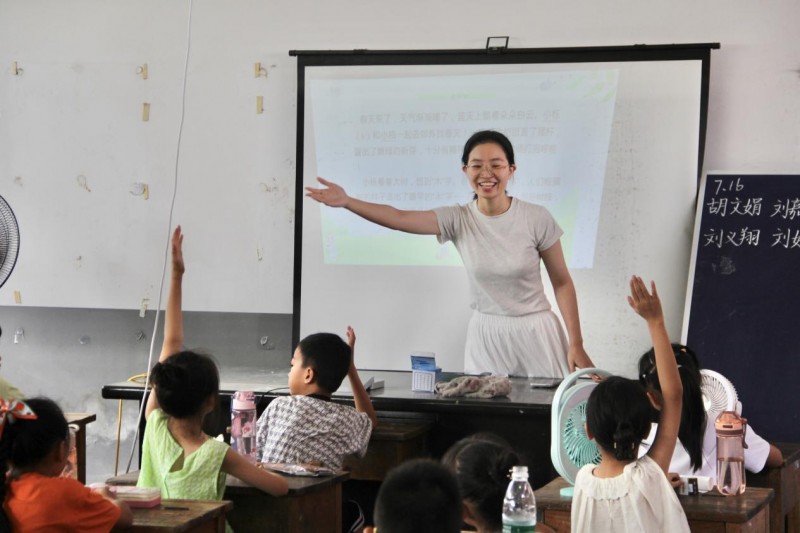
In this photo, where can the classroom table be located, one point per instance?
(80, 420)
(745, 513)
(785, 481)
(179, 516)
(522, 418)
(313, 505)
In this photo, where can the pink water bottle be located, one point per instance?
(731, 429)
(243, 424)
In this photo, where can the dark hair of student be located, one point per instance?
(618, 415)
(184, 382)
(485, 137)
(693, 412)
(482, 467)
(419, 496)
(25, 443)
(329, 356)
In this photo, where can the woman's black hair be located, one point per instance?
(485, 137)
(618, 415)
(184, 382)
(26, 442)
(693, 412)
(482, 467)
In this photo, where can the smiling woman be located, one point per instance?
(502, 241)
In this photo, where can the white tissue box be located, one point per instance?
(425, 380)
(424, 372)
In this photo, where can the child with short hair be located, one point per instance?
(177, 456)
(623, 493)
(307, 427)
(418, 496)
(696, 451)
(34, 445)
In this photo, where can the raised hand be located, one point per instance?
(351, 338)
(332, 195)
(177, 252)
(646, 304)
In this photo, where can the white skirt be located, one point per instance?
(530, 345)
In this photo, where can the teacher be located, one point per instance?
(501, 240)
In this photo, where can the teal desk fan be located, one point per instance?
(570, 447)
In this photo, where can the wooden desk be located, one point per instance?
(785, 481)
(313, 505)
(80, 420)
(176, 516)
(523, 418)
(748, 512)
(392, 442)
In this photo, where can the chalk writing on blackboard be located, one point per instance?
(740, 220)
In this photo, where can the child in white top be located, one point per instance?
(623, 493)
(696, 451)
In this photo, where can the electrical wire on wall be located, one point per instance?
(167, 242)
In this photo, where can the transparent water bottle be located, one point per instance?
(243, 424)
(731, 429)
(71, 468)
(519, 505)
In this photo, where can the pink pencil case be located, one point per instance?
(137, 496)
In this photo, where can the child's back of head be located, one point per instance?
(26, 443)
(693, 413)
(419, 496)
(329, 356)
(184, 383)
(481, 467)
(618, 416)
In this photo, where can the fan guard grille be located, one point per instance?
(579, 448)
(9, 241)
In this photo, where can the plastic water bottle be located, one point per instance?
(519, 505)
(243, 424)
(71, 468)
(730, 429)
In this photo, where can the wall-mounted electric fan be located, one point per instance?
(9, 241)
(570, 447)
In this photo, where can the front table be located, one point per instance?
(313, 505)
(748, 512)
(179, 516)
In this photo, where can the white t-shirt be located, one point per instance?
(501, 254)
(755, 455)
(639, 500)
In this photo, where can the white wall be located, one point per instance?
(79, 56)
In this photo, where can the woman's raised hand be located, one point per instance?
(332, 195)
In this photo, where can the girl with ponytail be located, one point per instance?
(177, 456)
(696, 451)
(624, 493)
(34, 445)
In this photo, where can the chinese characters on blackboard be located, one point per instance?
(740, 220)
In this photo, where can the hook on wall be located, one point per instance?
(16, 70)
(259, 71)
(141, 70)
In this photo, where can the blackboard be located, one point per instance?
(743, 294)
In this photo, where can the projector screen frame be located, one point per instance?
(362, 57)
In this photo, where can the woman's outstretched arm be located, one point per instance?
(418, 222)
